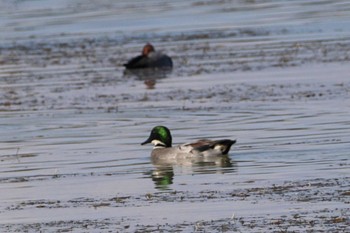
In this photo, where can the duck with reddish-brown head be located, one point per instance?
(149, 59)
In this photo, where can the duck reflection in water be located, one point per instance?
(162, 177)
(164, 171)
(150, 66)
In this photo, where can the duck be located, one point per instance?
(161, 138)
(149, 58)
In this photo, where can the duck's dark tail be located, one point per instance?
(223, 145)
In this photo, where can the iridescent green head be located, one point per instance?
(160, 136)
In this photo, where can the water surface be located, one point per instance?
(271, 74)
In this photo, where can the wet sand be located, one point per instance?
(73, 119)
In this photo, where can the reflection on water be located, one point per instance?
(162, 176)
(148, 75)
(163, 172)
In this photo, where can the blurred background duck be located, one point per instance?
(149, 59)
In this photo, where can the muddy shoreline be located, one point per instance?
(332, 216)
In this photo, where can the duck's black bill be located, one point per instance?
(147, 141)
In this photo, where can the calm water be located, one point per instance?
(272, 74)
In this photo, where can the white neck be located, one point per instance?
(158, 144)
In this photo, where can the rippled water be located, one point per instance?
(272, 74)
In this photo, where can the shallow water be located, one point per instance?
(272, 74)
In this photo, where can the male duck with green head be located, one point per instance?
(161, 139)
